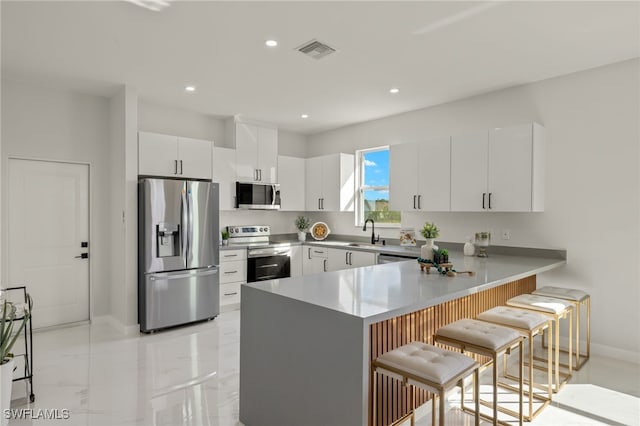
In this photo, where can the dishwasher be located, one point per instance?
(391, 258)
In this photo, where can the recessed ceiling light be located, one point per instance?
(305, 116)
(394, 90)
(190, 88)
(271, 43)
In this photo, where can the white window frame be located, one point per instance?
(360, 188)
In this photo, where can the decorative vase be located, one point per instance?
(302, 236)
(225, 242)
(6, 380)
(426, 251)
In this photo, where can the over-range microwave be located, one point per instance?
(259, 196)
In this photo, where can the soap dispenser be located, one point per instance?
(469, 248)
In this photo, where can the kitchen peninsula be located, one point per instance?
(306, 343)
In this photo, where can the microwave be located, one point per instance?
(259, 196)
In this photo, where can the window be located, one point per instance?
(373, 188)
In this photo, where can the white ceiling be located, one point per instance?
(433, 51)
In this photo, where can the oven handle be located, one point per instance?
(279, 253)
(268, 266)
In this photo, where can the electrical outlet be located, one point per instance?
(506, 234)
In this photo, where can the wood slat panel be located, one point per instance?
(393, 400)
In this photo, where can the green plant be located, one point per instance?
(225, 235)
(7, 324)
(302, 223)
(444, 252)
(430, 230)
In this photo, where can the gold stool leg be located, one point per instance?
(588, 326)
(577, 308)
(442, 398)
(495, 389)
(374, 405)
(476, 391)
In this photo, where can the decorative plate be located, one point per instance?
(320, 230)
(407, 237)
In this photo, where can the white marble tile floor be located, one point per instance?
(190, 376)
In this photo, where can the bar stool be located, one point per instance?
(579, 298)
(490, 340)
(554, 309)
(528, 324)
(434, 369)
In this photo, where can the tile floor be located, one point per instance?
(190, 376)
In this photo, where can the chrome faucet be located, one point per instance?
(373, 231)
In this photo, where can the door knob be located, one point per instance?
(83, 256)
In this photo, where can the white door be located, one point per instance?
(404, 164)
(195, 158)
(246, 152)
(48, 221)
(469, 157)
(268, 154)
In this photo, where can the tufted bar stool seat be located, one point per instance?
(529, 324)
(420, 364)
(492, 340)
(579, 299)
(556, 310)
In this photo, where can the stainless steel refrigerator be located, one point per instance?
(178, 267)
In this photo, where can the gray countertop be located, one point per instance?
(379, 292)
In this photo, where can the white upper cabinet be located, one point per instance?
(256, 152)
(500, 170)
(330, 183)
(224, 173)
(420, 176)
(174, 156)
(291, 176)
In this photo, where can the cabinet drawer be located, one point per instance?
(231, 272)
(229, 294)
(232, 255)
(311, 252)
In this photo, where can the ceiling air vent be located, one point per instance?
(315, 49)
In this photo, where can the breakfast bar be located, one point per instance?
(306, 343)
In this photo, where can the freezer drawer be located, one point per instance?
(181, 297)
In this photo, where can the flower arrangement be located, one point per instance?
(430, 230)
(9, 321)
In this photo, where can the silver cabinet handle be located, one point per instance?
(260, 174)
(231, 294)
(180, 166)
(175, 167)
(230, 255)
(318, 251)
(324, 265)
(414, 201)
(351, 258)
(231, 272)
(318, 203)
(419, 199)
(490, 200)
(309, 254)
(346, 258)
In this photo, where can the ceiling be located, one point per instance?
(434, 52)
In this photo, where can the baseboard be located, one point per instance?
(615, 353)
(127, 330)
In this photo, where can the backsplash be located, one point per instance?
(280, 222)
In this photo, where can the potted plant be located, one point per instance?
(12, 322)
(430, 232)
(225, 237)
(444, 255)
(302, 224)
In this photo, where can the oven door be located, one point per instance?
(268, 268)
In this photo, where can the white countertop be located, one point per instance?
(379, 292)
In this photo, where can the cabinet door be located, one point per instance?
(338, 183)
(267, 164)
(157, 154)
(291, 176)
(361, 258)
(313, 183)
(313, 263)
(296, 261)
(469, 172)
(337, 259)
(194, 156)
(403, 176)
(224, 173)
(246, 152)
(434, 175)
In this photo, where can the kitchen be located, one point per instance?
(589, 112)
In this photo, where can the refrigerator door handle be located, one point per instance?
(184, 207)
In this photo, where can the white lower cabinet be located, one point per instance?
(233, 273)
(314, 260)
(347, 259)
(296, 261)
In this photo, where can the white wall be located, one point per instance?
(592, 184)
(44, 123)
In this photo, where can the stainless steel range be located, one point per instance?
(266, 259)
